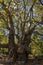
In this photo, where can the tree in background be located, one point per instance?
(22, 20)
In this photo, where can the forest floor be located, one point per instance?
(40, 62)
(30, 62)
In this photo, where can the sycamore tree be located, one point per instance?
(22, 19)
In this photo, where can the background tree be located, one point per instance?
(22, 19)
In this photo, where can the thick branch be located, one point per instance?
(9, 15)
(3, 45)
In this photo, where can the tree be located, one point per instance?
(20, 19)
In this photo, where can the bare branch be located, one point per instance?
(33, 41)
(38, 33)
(31, 8)
(39, 22)
(9, 3)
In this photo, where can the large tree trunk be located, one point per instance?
(11, 43)
(27, 41)
(25, 50)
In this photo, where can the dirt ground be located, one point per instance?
(30, 62)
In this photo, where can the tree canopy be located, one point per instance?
(21, 25)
